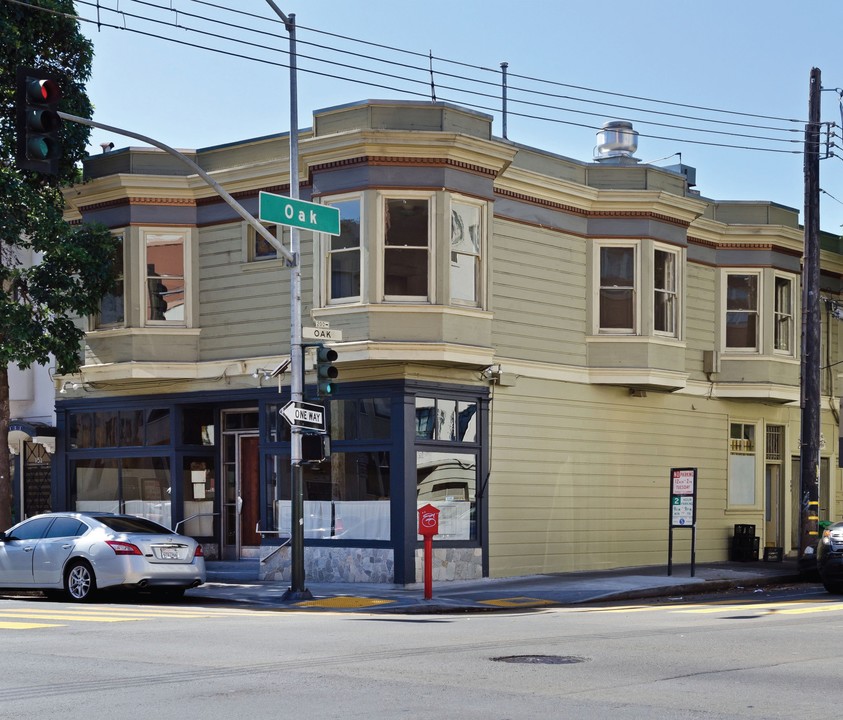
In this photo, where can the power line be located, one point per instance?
(391, 76)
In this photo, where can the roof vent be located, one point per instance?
(616, 143)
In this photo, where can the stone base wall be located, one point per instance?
(327, 564)
(451, 564)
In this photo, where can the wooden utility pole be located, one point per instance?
(810, 386)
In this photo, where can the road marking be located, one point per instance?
(344, 601)
(41, 617)
(517, 602)
(25, 626)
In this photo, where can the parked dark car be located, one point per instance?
(830, 558)
(78, 553)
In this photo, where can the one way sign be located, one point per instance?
(305, 415)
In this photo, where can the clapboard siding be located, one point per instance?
(244, 307)
(700, 315)
(593, 465)
(538, 294)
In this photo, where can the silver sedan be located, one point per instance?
(78, 553)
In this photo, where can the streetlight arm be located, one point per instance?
(236, 206)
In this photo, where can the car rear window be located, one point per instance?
(132, 525)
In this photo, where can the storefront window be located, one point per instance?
(363, 419)
(198, 426)
(449, 481)
(124, 428)
(449, 420)
(348, 499)
(138, 486)
(97, 485)
(146, 489)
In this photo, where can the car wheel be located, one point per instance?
(835, 588)
(79, 581)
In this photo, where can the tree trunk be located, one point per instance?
(5, 455)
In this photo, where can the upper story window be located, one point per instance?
(617, 278)
(164, 260)
(638, 288)
(259, 248)
(783, 315)
(742, 311)
(406, 248)
(665, 298)
(466, 242)
(344, 254)
(112, 311)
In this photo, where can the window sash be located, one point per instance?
(406, 248)
(742, 311)
(112, 311)
(466, 241)
(783, 315)
(617, 288)
(343, 254)
(664, 292)
(165, 287)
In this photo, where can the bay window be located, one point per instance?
(665, 300)
(406, 248)
(466, 237)
(112, 312)
(343, 256)
(783, 315)
(742, 326)
(617, 275)
(164, 260)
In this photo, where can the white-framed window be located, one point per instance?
(783, 321)
(617, 300)
(407, 229)
(112, 311)
(743, 328)
(258, 248)
(742, 454)
(466, 245)
(665, 291)
(165, 283)
(344, 253)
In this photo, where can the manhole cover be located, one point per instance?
(541, 659)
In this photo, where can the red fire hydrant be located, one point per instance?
(428, 527)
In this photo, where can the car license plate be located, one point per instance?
(169, 553)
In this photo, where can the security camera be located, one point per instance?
(280, 369)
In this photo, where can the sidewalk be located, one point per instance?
(236, 582)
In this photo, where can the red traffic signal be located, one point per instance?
(37, 121)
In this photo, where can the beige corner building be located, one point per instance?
(529, 342)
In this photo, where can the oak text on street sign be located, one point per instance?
(298, 213)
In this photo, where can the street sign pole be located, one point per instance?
(297, 589)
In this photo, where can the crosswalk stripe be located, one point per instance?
(68, 616)
(25, 626)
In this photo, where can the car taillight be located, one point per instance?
(199, 552)
(123, 548)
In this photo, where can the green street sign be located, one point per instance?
(298, 213)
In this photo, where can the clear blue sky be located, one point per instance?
(744, 56)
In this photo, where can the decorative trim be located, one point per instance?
(382, 160)
(570, 209)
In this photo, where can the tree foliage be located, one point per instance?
(51, 273)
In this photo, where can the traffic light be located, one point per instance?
(326, 373)
(37, 121)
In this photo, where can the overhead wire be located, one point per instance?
(404, 79)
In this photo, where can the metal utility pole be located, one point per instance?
(297, 589)
(811, 329)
